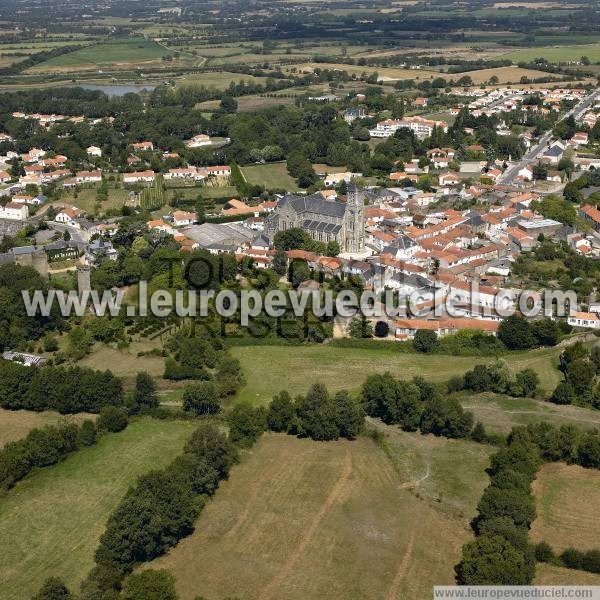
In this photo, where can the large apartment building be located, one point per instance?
(422, 128)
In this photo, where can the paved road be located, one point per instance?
(535, 151)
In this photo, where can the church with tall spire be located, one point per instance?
(323, 219)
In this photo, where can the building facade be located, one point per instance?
(324, 220)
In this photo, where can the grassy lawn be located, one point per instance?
(301, 519)
(16, 424)
(501, 413)
(567, 499)
(51, 522)
(270, 369)
(128, 52)
(556, 53)
(271, 176)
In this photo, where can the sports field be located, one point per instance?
(299, 519)
(270, 369)
(51, 522)
(16, 424)
(567, 500)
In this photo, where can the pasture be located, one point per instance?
(273, 176)
(301, 519)
(270, 369)
(216, 79)
(51, 522)
(567, 499)
(546, 574)
(122, 53)
(504, 75)
(16, 424)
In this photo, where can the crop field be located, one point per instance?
(504, 74)
(216, 79)
(51, 522)
(501, 413)
(271, 176)
(567, 500)
(385, 73)
(270, 369)
(127, 53)
(301, 519)
(16, 424)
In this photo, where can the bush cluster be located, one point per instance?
(64, 389)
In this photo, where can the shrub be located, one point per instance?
(281, 412)
(112, 419)
(544, 552)
(246, 424)
(201, 398)
(425, 341)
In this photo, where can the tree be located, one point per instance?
(580, 376)
(149, 585)
(317, 416)
(298, 272)
(201, 398)
(493, 560)
(112, 419)
(349, 415)
(425, 341)
(281, 412)
(515, 333)
(382, 329)
(527, 382)
(280, 262)
(53, 589)
(228, 104)
(360, 327)
(246, 423)
(145, 396)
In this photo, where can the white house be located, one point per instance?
(93, 151)
(139, 177)
(584, 319)
(88, 176)
(182, 218)
(68, 215)
(15, 211)
(198, 141)
(332, 179)
(526, 173)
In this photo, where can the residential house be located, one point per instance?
(68, 215)
(142, 146)
(93, 151)
(139, 177)
(14, 211)
(182, 218)
(589, 320)
(88, 176)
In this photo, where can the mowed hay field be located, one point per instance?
(51, 522)
(504, 75)
(300, 519)
(567, 500)
(546, 574)
(124, 53)
(16, 424)
(270, 369)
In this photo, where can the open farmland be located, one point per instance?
(300, 519)
(121, 54)
(51, 522)
(504, 75)
(16, 424)
(567, 500)
(269, 369)
(556, 54)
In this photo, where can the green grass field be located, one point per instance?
(216, 79)
(272, 176)
(86, 198)
(16, 424)
(270, 369)
(51, 522)
(300, 519)
(127, 52)
(500, 413)
(567, 498)
(556, 53)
